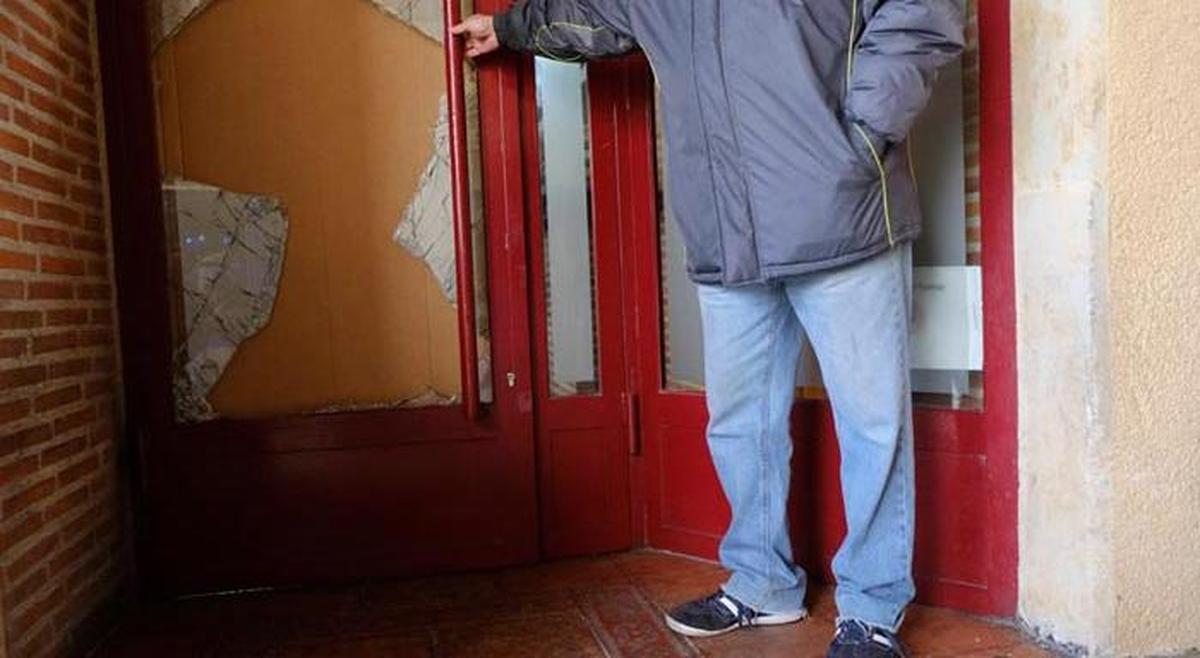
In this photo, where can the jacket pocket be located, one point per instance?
(875, 147)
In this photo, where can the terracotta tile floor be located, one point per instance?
(609, 606)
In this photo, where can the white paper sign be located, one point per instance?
(947, 318)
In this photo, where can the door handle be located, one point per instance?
(460, 192)
(633, 412)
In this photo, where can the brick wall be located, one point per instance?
(61, 528)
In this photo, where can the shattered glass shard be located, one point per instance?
(231, 249)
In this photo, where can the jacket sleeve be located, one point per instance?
(567, 29)
(895, 62)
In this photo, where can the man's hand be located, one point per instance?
(479, 33)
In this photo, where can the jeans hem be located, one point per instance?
(777, 602)
(870, 612)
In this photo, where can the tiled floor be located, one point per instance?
(608, 606)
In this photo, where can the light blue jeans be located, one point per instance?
(857, 320)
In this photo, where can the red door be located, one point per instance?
(283, 501)
(578, 301)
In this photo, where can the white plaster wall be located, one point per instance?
(1061, 228)
(1154, 202)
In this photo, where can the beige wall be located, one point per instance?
(1107, 154)
(1060, 230)
(1154, 202)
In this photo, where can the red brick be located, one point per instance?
(13, 410)
(88, 172)
(81, 99)
(79, 7)
(83, 77)
(55, 159)
(102, 316)
(47, 52)
(31, 557)
(14, 143)
(72, 553)
(17, 470)
(8, 28)
(55, 342)
(79, 29)
(24, 589)
(75, 51)
(12, 289)
(85, 195)
(58, 213)
(22, 376)
(16, 203)
(74, 420)
(95, 291)
(29, 18)
(41, 181)
(31, 494)
(78, 470)
(92, 243)
(66, 317)
(54, 10)
(20, 319)
(21, 439)
(97, 388)
(11, 88)
(9, 229)
(87, 126)
(6, 171)
(17, 260)
(45, 235)
(52, 106)
(66, 450)
(70, 368)
(83, 147)
(105, 364)
(57, 265)
(30, 71)
(57, 398)
(96, 337)
(19, 531)
(50, 290)
(66, 503)
(27, 620)
(11, 348)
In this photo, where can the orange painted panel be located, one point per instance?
(329, 106)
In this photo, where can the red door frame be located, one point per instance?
(584, 441)
(966, 552)
(313, 498)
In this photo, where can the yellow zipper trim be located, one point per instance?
(850, 45)
(912, 169)
(887, 207)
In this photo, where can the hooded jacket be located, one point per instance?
(785, 119)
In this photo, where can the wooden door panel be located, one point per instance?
(315, 498)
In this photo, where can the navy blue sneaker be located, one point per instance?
(720, 613)
(856, 639)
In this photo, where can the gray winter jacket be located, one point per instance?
(785, 119)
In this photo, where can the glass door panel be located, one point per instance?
(565, 171)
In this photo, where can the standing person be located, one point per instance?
(786, 123)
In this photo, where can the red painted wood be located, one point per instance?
(583, 460)
(316, 498)
(460, 192)
(967, 475)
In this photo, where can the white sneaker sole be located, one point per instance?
(778, 619)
